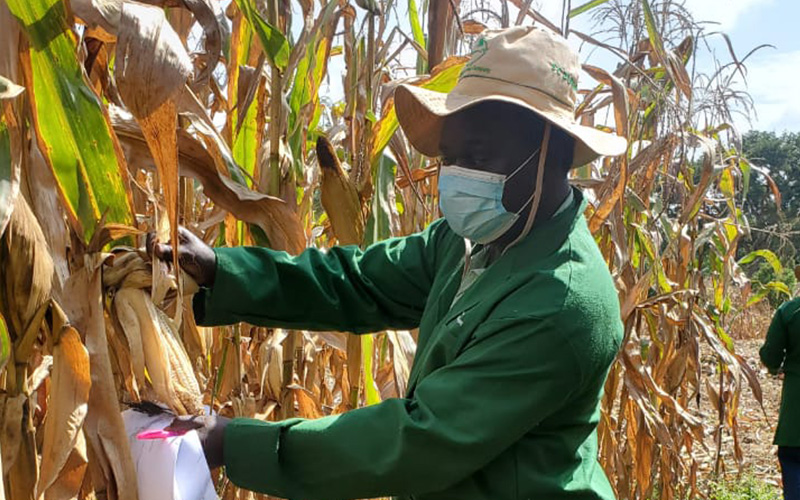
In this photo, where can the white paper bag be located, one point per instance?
(167, 469)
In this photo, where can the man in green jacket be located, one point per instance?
(781, 355)
(518, 316)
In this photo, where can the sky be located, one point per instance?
(772, 73)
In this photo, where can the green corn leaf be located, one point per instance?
(246, 143)
(416, 27)
(275, 44)
(245, 140)
(780, 287)
(308, 78)
(577, 11)
(746, 169)
(443, 81)
(652, 30)
(73, 131)
(5, 343)
(765, 254)
(371, 393)
(379, 224)
(726, 184)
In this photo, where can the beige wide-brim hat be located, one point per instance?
(527, 66)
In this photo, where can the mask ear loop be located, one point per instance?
(537, 195)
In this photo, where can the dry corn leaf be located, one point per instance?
(46, 204)
(209, 14)
(23, 475)
(273, 215)
(69, 397)
(105, 431)
(193, 340)
(307, 405)
(129, 324)
(354, 371)
(99, 13)
(152, 65)
(11, 431)
(2, 486)
(26, 269)
(403, 350)
(9, 50)
(11, 145)
(68, 484)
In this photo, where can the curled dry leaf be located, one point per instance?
(209, 15)
(99, 13)
(152, 67)
(26, 269)
(279, 222)
(152, 63)
(108, 15)
(105, 431)
(66, 411)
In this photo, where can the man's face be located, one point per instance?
(495, 137)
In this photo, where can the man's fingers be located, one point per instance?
(157, 250)
(163, 252)
(184, 235)
(149, 243)
(183, 424)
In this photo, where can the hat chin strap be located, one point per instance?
(537, 194)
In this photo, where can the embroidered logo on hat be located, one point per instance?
(479, 49)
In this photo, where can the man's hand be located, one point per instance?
(195, 257)
(211, 430)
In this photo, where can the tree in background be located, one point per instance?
(778, 230)
(774, 223)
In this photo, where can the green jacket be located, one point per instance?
(781, 350)
(503, 397)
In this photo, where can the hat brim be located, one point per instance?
(421, 113)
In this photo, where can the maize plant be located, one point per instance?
(121, 118)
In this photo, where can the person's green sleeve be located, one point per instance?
(512, 375)
(344, 288)
(773, 351)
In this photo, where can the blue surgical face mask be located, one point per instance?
(472, 202)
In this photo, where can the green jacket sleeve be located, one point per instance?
(345, 288)
(773, 351)
(512, 375)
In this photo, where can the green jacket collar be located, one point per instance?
(519, 262)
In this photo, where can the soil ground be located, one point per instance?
(756, 427)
